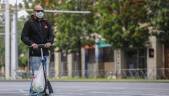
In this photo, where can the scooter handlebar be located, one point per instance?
(40, 46)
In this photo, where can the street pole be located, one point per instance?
(96, 67)
(7, 40)
(14, 51)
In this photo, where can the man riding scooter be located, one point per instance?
(36, 31)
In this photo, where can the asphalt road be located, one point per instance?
(90, 89)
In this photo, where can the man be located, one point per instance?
(38, 31)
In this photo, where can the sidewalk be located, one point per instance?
(95, 80)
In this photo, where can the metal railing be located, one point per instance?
(142, 73)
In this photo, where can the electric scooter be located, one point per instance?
(48, 88)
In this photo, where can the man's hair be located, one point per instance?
(38, 6)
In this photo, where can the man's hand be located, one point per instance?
(34, 46)
(47, 45)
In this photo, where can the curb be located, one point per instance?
(129, 81)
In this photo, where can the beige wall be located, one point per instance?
(118, 61)
(57, 62)
(109, 67)
(151, 61)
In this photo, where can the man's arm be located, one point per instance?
(25, 34)
(50, 35)
(50, 38)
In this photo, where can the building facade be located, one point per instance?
(151, 62)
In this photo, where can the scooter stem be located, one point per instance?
(42, 53)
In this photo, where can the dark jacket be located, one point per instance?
(39, 32)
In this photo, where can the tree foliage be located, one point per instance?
(158, 12)
(2, 49)
(22, 48)
(120, 22)
(73, 28)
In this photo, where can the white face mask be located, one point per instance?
(39, 14)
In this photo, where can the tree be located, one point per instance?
(2, 50)
(22, 48)
(158, 12)
(119, 21)
(73, 28)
